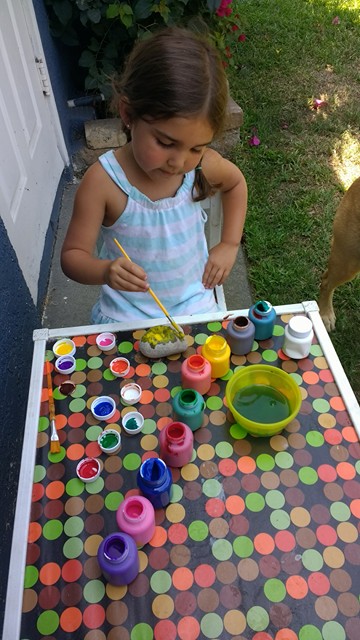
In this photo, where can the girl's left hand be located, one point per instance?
(220, 262)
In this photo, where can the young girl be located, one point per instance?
(172, 100)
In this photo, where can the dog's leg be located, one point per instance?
(338, 271)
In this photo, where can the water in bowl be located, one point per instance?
(261, 403)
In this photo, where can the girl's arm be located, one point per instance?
(96, 203)
(232, 185)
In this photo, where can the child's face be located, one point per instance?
(164, 148)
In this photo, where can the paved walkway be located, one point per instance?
(68, 303)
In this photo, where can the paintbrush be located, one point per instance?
(178, 330)
(54, 438)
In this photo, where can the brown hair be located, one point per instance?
(174, 72)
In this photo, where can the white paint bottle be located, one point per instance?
(298, 337)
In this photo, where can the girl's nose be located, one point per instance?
(176, 161)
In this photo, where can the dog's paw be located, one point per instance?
(329, 319)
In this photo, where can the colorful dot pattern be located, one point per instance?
(260, 539)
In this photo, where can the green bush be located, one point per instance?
(101, 32)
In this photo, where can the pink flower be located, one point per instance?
(224, 9)
(242, 37)
(318, 104)
(234, 27)
(336, 20)
(254, 141)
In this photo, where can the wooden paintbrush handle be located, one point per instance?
(50, 393)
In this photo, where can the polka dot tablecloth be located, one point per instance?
(260, 540)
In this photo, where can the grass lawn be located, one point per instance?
(294, 54)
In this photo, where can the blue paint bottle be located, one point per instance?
(154, 481)
(262, 314)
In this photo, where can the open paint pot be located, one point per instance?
(106, 341)
(130, 393)
(64, 347)
(67, 387)
(109, 441)
(88, 469)
(133, 422)
(118, 558)
(103, 407)
(119, 367)
(65, 364)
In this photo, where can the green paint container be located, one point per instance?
(109, 441)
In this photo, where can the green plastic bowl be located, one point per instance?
(265, 377)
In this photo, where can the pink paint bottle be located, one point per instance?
(196, 374)
(136, 517)
(176, 444)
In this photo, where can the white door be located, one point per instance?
(32, 149)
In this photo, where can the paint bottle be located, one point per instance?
(136, 516)
(262, 314)
(176, 444)
(118, 558)
(154, 480)
(196, 374)
(240, 334)
(188, 407)
(298, 337)
(217, 351)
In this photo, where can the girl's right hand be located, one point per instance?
(124, 275)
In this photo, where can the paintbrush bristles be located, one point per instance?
(54, 439)
(54, 446)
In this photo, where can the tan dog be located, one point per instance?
(344, 260)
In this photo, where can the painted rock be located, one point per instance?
(161, 341)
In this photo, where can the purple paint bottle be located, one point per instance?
(240, 334)
(118, 558)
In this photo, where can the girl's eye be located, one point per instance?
(164, 144)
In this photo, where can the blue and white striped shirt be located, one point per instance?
(167, 238)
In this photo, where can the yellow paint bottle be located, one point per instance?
(217, 351)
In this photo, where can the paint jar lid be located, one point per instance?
(109, 441)
(103, 407)
(105, 341)
(64, 347)
(133, 422)
(120, 367)
(88, 469)
(65, 364)
(130, 393)
(300, 326)
(67, 387)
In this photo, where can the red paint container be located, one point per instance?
(196, 374)
(120, 367)
(176, 444)
(88, 469)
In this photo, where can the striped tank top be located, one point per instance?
(167, 239)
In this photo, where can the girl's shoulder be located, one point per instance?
(218, 171)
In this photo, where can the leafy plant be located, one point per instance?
(101, 32)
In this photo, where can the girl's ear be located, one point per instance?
(125, 111)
